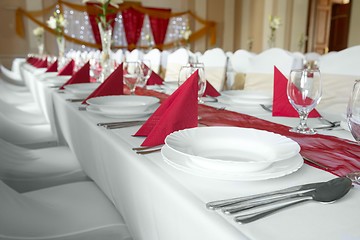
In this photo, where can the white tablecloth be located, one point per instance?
(159, 202)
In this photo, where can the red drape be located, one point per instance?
(159, 26)
(93, 10)
(133, 22)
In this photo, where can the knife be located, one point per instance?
(213, 205)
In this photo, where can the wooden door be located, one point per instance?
(319, 17)
(339, 27)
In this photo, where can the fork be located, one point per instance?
(147, 150)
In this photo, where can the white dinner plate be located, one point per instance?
(58, 80)
(124, 104)
(81, 90)
(128, 116)
(245, 97)
(275, 170)
(232, 148)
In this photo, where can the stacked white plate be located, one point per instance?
(81, 90)
(245, 97)
(123, 106)
(57, 80)
(232, 153)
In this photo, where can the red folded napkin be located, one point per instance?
(68, 69)
(154, 79)
(210, 90)
(41, 63)
(113, 85)
(177, 112)
(281, 105)
(81, 76)
(53, 67)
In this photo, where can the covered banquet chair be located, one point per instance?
(215, 61)
(31, 169)
(74, 211)
(175, 61)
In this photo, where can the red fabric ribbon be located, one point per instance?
(340, 156)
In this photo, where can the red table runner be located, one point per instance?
(340, 156)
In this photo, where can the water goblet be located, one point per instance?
(304, 91)
(145, 72)
(353, 111)
(131, 75)
(187, 71)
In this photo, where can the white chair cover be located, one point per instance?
(134, 55)
(10, 76)
(25, 114)
(72, 211)
(27, 170)
(263, 64)
(345, 62)
(32, 136)
(215, 62)
(175, 61)
(154, 56)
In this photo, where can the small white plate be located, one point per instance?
(81, 90)
(277, 169)
(123, 104)
(57, 80)
(245, 97)
(135, 115)
(232, 148)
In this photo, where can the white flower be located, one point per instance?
(186, 34)
(274, 22)
(51, 22)
(39, 31)
(61, 21)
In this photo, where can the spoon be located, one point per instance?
(326, 193)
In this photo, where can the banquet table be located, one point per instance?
(158, 201)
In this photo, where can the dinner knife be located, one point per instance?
(213, 205)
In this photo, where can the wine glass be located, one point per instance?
(131, 75)
(145, 72)
(304, 91)
(187, 71)
(353, 111)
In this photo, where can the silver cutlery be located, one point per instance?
(114, 125)
(326, 193)
(147, 150)
(227, 202)
(74, 100)
(267, 108)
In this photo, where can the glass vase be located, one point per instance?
(105, 61)
(60, 40)
(40, 44)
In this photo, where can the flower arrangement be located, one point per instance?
(186, 34)
(104, 5)
(57, 22)
(302, 41)
(38, 32)
(39, 35)
(274, 24)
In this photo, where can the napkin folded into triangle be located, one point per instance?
(281, 105)
(68, 69)
(113, 85)
(42, 63)
(154, 79)
(81, 76)
(179, 111)
(210, 90)
(53, 67)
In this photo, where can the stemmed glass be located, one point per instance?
(304, 91)
(131, 74)
(353, 111)
(145, 72)
(187, 71)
